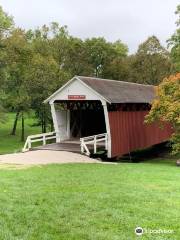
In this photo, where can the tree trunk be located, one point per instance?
(22, 128)
(13, 132)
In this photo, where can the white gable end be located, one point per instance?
(76, 90)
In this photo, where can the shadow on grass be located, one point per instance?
(160, 153)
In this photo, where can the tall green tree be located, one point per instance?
(151, 63)
(174, 42)
(59, 43)
(43, 78)
(18, 57)
(47, 70)
(2, 110)
(77, 60)
(6, 25)
(101, 55)
(117, 67)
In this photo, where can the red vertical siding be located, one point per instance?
(129, 132)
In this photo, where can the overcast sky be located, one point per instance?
(132, 21)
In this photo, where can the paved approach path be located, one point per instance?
(45, 157)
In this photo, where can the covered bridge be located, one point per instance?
(100, 113)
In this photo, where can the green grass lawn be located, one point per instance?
(86, 201)
(10, 143)
(90, 201)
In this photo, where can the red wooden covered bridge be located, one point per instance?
(91, 113)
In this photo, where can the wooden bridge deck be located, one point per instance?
(69, 147)
(72, 145)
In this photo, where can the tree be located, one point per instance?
(18, 56)
(21, 104)
(59, 42)
(166, 107)
(151, 63)
(2, 113)
(77, 61)
(47, 67)
(6, 25)
(121, 49)
(42, 79)
(118, 69)
(174, 42)
(2, 110)
(101, 54)
(118, 66)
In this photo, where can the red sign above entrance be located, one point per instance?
(76, 97)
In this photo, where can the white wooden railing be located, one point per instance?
(38, 138)
(93, 140)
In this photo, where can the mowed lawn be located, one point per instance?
(9, 143)
(86, 201)
(90, 201)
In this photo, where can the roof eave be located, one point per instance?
(102, 97)
(69, 82)
(59, 90)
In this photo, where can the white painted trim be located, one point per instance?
(54, 117)
(51, 98)
(43, 137)
(106, 116)
(91, 89)
(95, 139)
(59, 90)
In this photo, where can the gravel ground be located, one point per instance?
(40, 157)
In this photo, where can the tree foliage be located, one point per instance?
(34, 63)
(2, 114)
(174, 42)
(151, 63)
(166, 107)
(101, 54)
(17, 58)
(6, 22)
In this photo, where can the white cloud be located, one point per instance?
(132, 21)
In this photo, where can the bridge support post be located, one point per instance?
(55, 122)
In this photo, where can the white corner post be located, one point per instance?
(106, 116)
(55, 122)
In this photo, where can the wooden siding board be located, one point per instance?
(129, 132)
